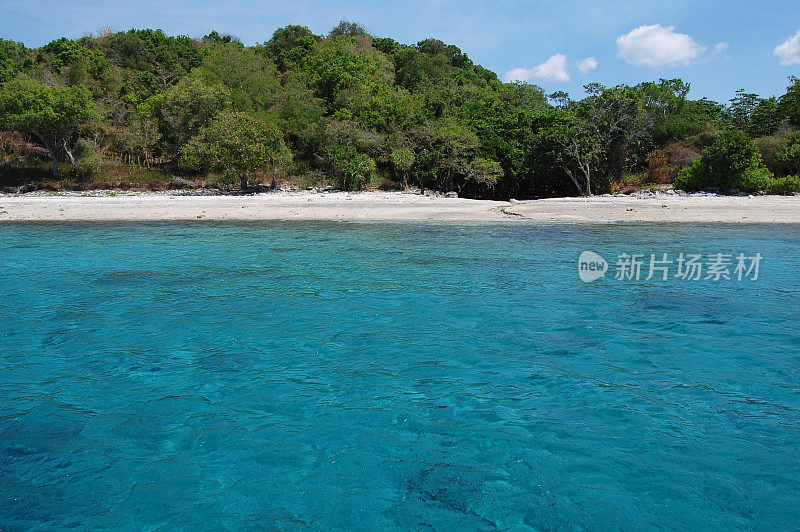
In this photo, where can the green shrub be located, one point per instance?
(783, 185)
(703, 139)
(690, 179)
(732, 162)
(311, 178)
(87, 160)
(351, 170)
(755, 179)
(781, 153)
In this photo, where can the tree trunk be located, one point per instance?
(243, 181)
(587, 176)
(55, 166)
(588, 184)
(574, 181)
(69, 154)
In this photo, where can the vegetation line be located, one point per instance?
(140, 109)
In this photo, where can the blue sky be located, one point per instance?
(717, 49)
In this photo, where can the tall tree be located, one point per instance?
(289, 45)
(247, 75)
(741, 108)
(789, 105)
(187, 107)
(12, 59)
(240, 144)
(402, 160)
(348, 29)
(51, 115)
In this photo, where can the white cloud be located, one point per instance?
(518, 74)
(587, 65)
(789, 51)
(720, 47)
(554, 69)
(657, 45)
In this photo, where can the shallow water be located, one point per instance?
(393, 376)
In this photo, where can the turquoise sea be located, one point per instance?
(394, 376)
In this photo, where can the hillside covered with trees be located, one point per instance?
(350, 110)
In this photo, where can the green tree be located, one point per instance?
(484, 172)
(781, 153)
(215, 38)
(403, 160)
(454, 148)
(765, 119)
(741, 108)
(186, 107)
(13, 58)
(381, 107)
(350, 169)
(732, 162)
(64, 53)
(51, 115)
(247, 75)
(300, 115)
(239, 144)
(671, 115)
(578, 147)
(347, 29)
(339, 65)
(157, 59)
(598, 133)
(289, 45)
(789, 104)
(452, 53)
(615, 119)
(501, 117)
(416, 70)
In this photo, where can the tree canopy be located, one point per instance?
(240, 144)
(50, 114)
(361, 109)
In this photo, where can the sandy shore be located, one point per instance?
(395, 206)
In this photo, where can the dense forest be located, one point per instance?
(350, 110)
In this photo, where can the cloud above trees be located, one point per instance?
(649, 45)
(587, 65)
(554, 69)
(656, 45)
(789, 51)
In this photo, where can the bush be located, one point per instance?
(351, 170)
(87, 160)
(403, 160)
(732, 162)
(755, 179)
(311, 178)
(781, 153)
(663, 165)
(690, 179)
(783, 185)
(704, 139)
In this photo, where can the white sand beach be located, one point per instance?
(393, 206)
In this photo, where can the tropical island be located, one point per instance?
(141, 110)
(330, 280)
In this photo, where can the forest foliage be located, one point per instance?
(353, 110)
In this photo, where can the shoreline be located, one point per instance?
(109, 206)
